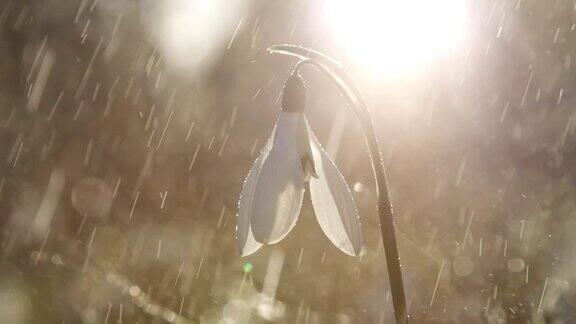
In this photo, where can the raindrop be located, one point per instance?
(57, 259)
(152, 309)
(92, 198)
(463, 266)
(169, 315)
(109, 247)
(134, 291)
(515, 265)
(358, 187)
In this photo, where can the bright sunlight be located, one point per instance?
(394, 37)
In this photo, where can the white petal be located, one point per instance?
(280, 185)
(244, 236)
(333, 203)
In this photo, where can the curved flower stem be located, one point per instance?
(356, 101)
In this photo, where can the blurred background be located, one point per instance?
(127, 128)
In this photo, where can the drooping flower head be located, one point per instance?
(273, 191)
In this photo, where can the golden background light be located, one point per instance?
(166, 104)
(192, 33)
(396, 37)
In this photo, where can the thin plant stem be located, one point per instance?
(356, 101)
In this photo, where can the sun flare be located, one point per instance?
(395, 37)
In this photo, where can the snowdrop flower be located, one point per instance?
(273, 191)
